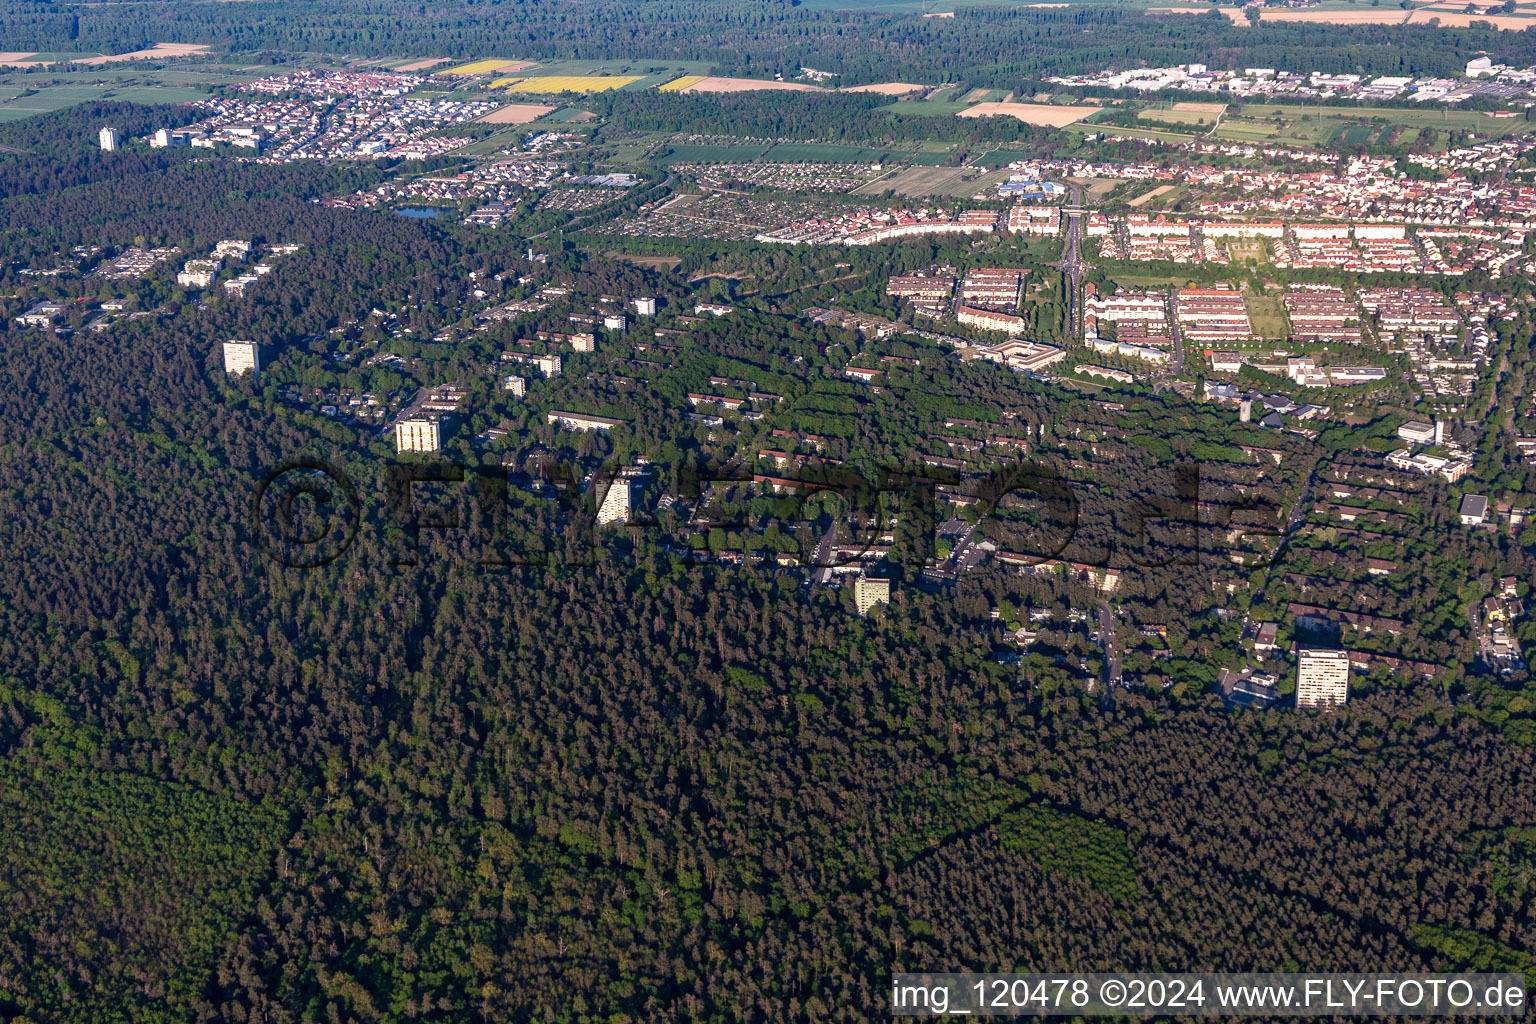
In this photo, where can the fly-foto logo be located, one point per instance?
(307, 512)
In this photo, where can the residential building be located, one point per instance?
(581, 421)
(42, 314)
(109, 138)
(1249, 688)
(1322, 677)
(198, 273)
(1417, 432)
(987, 320)
(240, 357)
(1474, 509)
(869, 591)
(616, 502)
(515, 384)
(418, 434)
(926, 287)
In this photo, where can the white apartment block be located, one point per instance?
(1322, 678)
(418, 434)
(198, 273)
(987, 320)
(868, 592)
(617, 502)
(240, 357)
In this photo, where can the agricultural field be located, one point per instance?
(815, 152)
(1320, 126)
(927, 108)
(935, 158)
(486, 67)
(1133, 133)
(418, 65)
(916, 181)
(689, 154)
(1179, 114)
(679, 84)
(517, 113)
(714, 84)
(1031, 113)
(112, 82)
(887, 88)
(21, 101)
(1151, 194)
(583, 84)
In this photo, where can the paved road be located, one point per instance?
(823, 556)
(1176, 365)
(1113, 676)
(1073, 264)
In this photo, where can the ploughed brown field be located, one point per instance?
(713, 84)
(1031, 113)
(887, 88)
(517, 113)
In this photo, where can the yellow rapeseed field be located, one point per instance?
(679, 84)
(574, 83)
(480, 67)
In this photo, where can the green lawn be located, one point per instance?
(929, 159)
(1267, 316)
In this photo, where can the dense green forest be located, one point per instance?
(983, 45)
(640, 789)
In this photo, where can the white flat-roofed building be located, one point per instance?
(616, 502)
(241, 357)
(198, 273)
(1322, 678)
(869, 591)
(581, 421)
(109, 138)
(986, 320)
(42, 314)
(418, 434)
